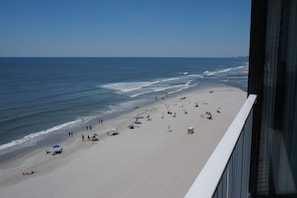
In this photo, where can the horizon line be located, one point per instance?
(124, 56)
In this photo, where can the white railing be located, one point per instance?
(226, 173)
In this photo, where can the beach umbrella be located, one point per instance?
(57, 149)
(57, 146)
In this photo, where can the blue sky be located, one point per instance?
(124, 28)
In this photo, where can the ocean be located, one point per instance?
(42, 99)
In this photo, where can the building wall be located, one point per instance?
(273, 77)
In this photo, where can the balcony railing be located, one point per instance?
(226, 173)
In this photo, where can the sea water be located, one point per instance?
(42, 99)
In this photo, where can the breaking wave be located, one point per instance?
(170, 85)
(32, 138)
(226, 72)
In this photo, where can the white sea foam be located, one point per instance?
(195, 76)
(123, 106)
(183, 73)
(186, 86)
(128, 86)
(85, 119)
(134, 89)
(32, 138)
(163, 87)
(217, 73)
(141, 93)
(224, 72)
(237, 77)
(146, 87)
(169, 79)
(149, 90)
(155, 89)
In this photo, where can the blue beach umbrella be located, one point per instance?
(56, 146)
(57, 149)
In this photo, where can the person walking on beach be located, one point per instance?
(83, 137)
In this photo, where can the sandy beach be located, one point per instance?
(158, 158)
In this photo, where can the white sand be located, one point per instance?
(147, 161)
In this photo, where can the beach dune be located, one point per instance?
(158, 158)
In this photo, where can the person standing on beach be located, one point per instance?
(83, 137)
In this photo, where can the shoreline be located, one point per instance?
(51, 139)
(152, 139)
